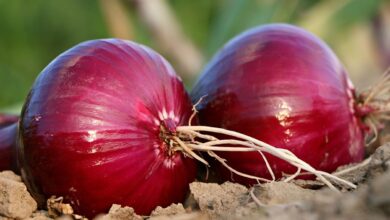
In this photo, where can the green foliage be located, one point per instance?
(33, 32)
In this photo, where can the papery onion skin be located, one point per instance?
(284, 86)
(90, 129)
(8, 140)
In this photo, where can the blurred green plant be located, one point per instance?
(35, 32)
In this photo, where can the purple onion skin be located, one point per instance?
(90, 129)
(8, 140)
(7, 119)
(284, 86)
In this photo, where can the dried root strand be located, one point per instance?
(254, 197)
(247, 144)
(271, 172)
(194, 110)
(214, 145)
(382, 86)
(373, 125)
(56, 207)
(291, 177)
(189, 151)
(353, 168)
(223, 162)
(377, 100)
(193, 134)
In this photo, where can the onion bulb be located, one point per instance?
(282, 85)
(97, 127)
(8, 140)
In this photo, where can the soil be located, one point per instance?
(276, 200)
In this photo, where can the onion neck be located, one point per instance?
(170, 138)
(373, 107)
(165, 135)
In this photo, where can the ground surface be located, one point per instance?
(277, 200)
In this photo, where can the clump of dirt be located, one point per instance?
(173, 209)
(214, 199)
(280, 192)
(280, 200)
(378, 193)
(187, 216)
(275, 200)
(234, 201)
(15, 201)
(118, 212)
(10, 176)
(39, 215)
(370, 201)
(380, 161)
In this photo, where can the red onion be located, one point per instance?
(8, 136)
(282, 85)
(7, 119)
(97, 125)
